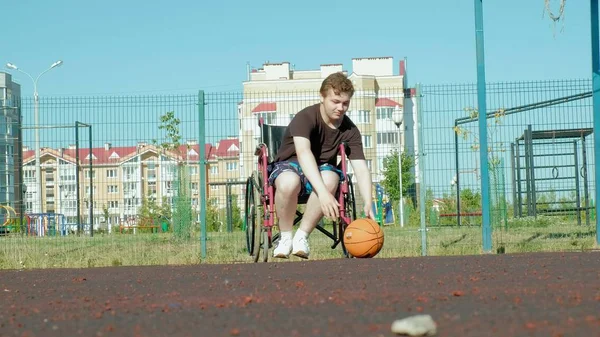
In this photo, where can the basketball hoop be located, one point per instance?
(556, 17)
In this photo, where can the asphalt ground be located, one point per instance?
(541, 294)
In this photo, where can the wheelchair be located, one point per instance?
(259, 203)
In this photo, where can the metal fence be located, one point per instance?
(159, 169)
(540, 161)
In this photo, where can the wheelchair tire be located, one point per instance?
(251, 217)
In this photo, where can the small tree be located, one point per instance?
(236, 213)
(495, 161)
(106, 213)
(391, 180)
(182, 216)
(148, 211)
(212, 216)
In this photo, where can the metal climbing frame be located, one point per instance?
(534, 168)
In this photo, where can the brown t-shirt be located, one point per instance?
(324, 141)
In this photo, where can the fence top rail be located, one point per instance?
(558, 134)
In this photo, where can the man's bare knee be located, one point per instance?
(331, 180)
(287, 185)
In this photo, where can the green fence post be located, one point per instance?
(202, 142)
(421, 158)
(483, 144)
(596, 103)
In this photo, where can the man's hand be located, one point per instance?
(369, 212)
(329, 205)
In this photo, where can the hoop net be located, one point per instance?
(560, 14)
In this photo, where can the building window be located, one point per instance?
(387, 138)
(214, 187)
(151, 171)
(214, 170)
(231, 166)
(380, 164)
(87, 174)
(361, 116)
(67, 173)
(267, 117)
(113, 189)
(366, 139)
(129, 172)
(385, 112)
(29, 175)
(152, 188)
(112, 204)
(111, 173)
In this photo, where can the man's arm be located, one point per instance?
(363, 176)
(308, 163)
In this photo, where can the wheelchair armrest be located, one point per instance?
(262, 149)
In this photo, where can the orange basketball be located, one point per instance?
(363, 238)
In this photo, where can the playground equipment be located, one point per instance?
(551, 161)
(158, 225)
(9, 221)
(382, 207)
(46, 224)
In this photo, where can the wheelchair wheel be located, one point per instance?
(253, 225)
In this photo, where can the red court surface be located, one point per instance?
(544, 294)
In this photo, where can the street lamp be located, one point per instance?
(38, 170)
(397, 117)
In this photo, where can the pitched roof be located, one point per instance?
(228, 148)
(265, 107)
(225, 148)
(386, 102)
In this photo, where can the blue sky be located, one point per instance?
(143, 47)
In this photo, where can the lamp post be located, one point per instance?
(397, 117)
(38, 170)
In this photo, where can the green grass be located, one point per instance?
(522, 235)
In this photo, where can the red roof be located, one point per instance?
(265, 107)
(224, 148)
(103, 156)
(386, 102)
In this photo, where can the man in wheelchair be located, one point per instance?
(306, 165)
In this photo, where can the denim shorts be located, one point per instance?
(276, 168)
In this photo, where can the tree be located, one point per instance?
(148, 211)
(106, 213)
(182, 216)
(236, 213)
(390, 172)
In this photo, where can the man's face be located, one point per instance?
(336, 105)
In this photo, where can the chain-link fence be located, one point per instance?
(157, 170)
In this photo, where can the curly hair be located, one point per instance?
(339, 83)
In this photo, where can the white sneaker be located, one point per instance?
(283, 249)
(301, 248)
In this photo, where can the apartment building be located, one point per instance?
(223, 173)
(277, 91)
(10, 155)
(122, 176)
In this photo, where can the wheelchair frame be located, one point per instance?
(260, 210)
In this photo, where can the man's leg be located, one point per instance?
(312, 215)
(287, 187)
